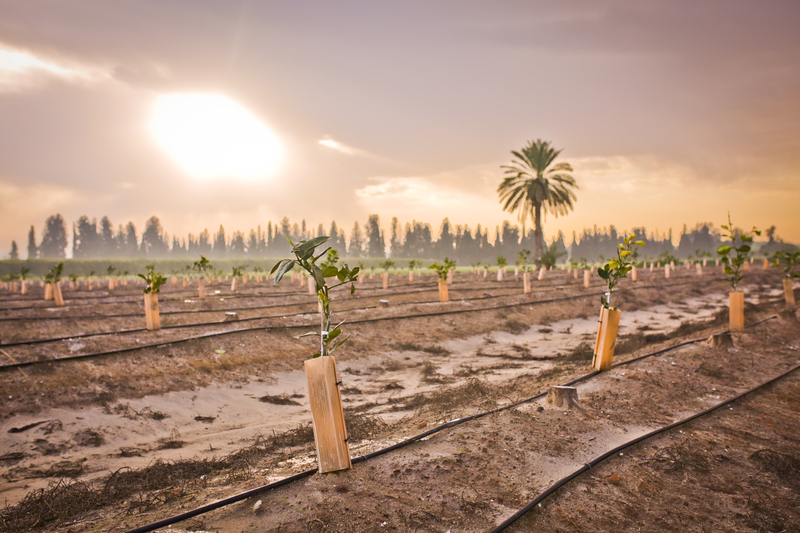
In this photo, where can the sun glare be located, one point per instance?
(211, 136)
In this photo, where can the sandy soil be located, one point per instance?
(202, 400)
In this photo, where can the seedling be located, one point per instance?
(787, 261)
(740, 244)
(238, 270)
(386, 265)
(202, 266)
(54, 275)
(23, 272)
(444, 269)
(305, 258)
(618, 268)
(523, 258)
(73, 278)
(153, 280)
(501, 261)
(413, 264)
(110, 270)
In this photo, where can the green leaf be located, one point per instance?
(284, 266)
(603, 273)
(318, 277)
(743, 249)
(309, 334)
(309, 245)
(626, 253)
(724, 249)
(330, 272)
(621, 246)
(640, 243)
(333, 334)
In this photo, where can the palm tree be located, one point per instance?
(531, 183)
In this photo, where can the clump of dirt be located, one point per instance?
(280, 399)
(89, 438)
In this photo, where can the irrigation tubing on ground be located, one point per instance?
(216, 323)
(452, 423)
(594, 462)
(297, 326)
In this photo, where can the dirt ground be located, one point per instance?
(115, 442)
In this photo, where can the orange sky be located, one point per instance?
(670, 113)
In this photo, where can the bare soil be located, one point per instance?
(114, 442)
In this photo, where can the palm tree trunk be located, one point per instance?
(537, 233)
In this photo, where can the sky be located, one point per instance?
(242, 112)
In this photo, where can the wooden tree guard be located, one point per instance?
(174, 280)
(746, 265)
(111, 284)
(151, 315)
(89, 285)
(59, 299)
(736, 310)
(788, 293)
(699, 269)
(361, 278)
(499, 274)
(201, 289)
(634, 274)
(24, 289)
(450, 274)
(48, 291)
(330, 433)
(244, 279)
(606, 338)
(516, 271)
(526, 282)
(185, 282)
(410, 275)
(443, 294)
(666, 271)
(587, 279)
(234, 283)
(575, 274)
(766, 264)
(541, 273)
(385, 276)
(485, 273)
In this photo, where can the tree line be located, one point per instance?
(413, 240)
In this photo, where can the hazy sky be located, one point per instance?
(670, 112)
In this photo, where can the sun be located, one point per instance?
(212, 137)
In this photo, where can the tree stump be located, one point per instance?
(560, 396)
(722, 340)
(383, 303)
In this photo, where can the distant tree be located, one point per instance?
(356, 248)
(395, 246)
(376, 246)
(14, 253)
(33, 250)
(252, 243)
(153, 239)
(534, 183)
(85, 241)
(336, 241)
(237, 244)
(54, 238)
(446, 242)
(220, 246)
(204, 242)
(109, 244)
(131, 241)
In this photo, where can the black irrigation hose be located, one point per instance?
(216, 323)
(297, 326)
(594, 462)
(296, 477)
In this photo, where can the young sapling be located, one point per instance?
(385, 266)
(788, 261)
(501, 266)
(330, 434)
(443, 271)
(612, 272)
(203, 267)
(733, 256)
(152, 286)
(53, 281)
(236, 272)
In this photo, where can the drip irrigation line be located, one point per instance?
(297, 326)
(452, 423)
(216, 323)
(611, 453)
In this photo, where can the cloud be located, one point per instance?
(22, 70)
(339, 147)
